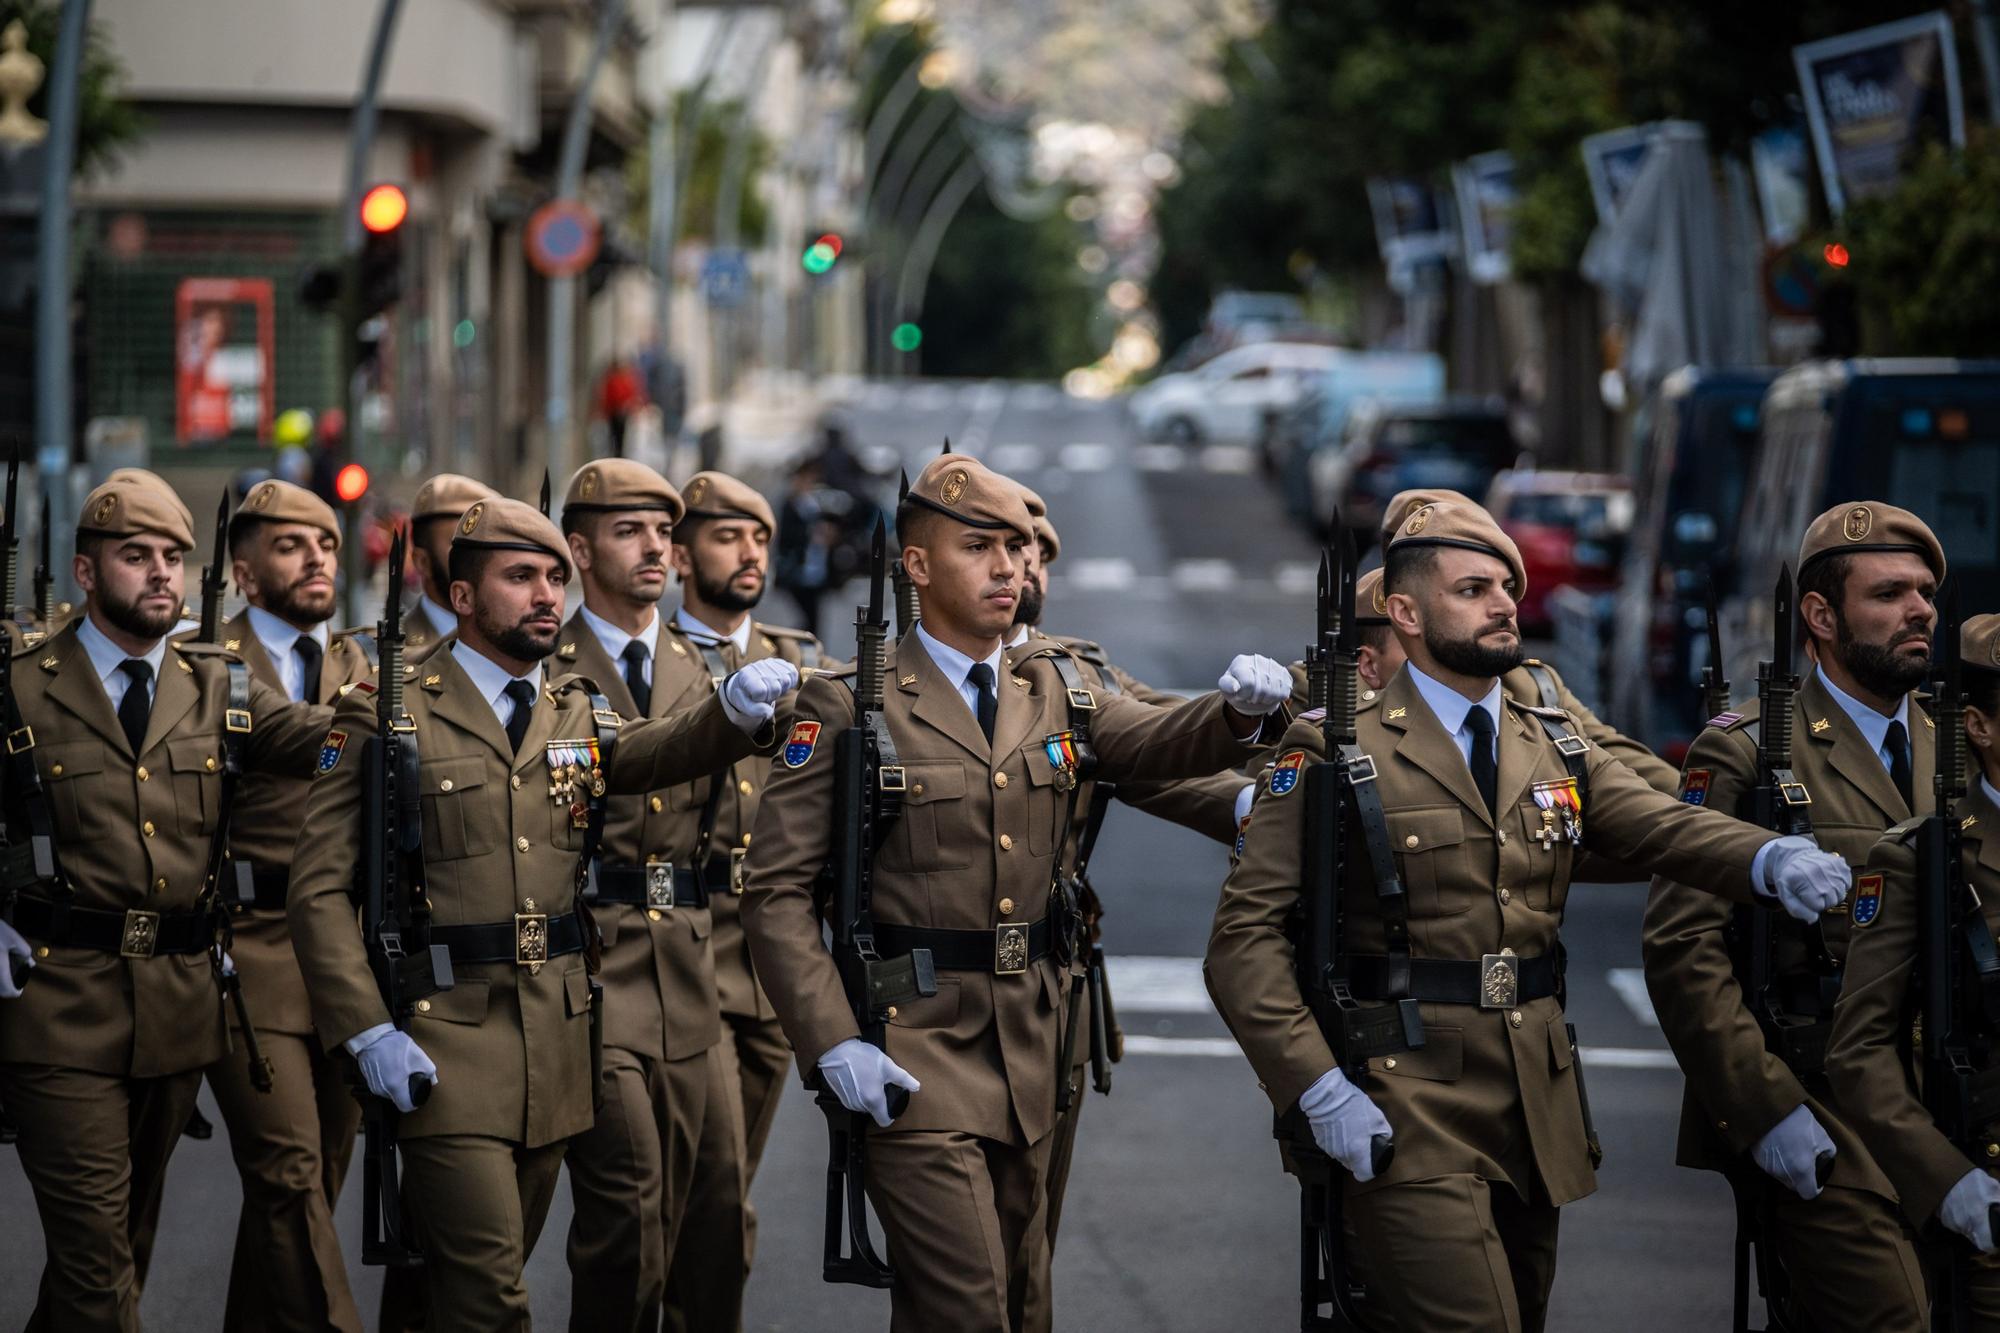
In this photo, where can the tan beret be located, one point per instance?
(447, 495)
(1045, 531)
(1371, 599)
(1404, 503)
(1979, 642)
(961, 487)
(126, 508)
(1866, 525)
(138, 476)
(719, 495)
(275, 501)
(501, 524)
(605, 484)
(1464, 527)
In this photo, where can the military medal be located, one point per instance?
(1547, 833)
(575, 764)
(1060, 747)
(1560, 800)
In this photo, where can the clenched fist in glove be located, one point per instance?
(750, 695)
(1255, 685)
(1806, 880)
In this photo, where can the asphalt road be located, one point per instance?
(1178, 1219)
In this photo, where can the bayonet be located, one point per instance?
(45, 577)
(10, 538)
(211, 575)
(1714, 681)
(546, 493)
(906, 588)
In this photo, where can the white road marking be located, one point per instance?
(1630, 983)
(1084, 456)
(1156, 984)
(1594, 1057)
(1100, 574)
(880, 396)
(1296, 578)
(1016, 458)
(1203, 575)
(1040, 395)
(987, 400)
(1158, 458)
(1210, 1046)
(928, 397)
(1228, 459)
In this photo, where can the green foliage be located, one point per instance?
(1926, 258)
(701, 178)
(1006, 298)
(106, 122)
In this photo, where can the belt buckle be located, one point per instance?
(1010, 949)
(737, 856)
(660, 885)
(236, 720)
(1499, 980)
(531, 938)
(141, 936)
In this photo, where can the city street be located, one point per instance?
(1178, 1220)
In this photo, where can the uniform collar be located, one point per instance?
(955, 665)
(443, 619)
(740, 636)
(105, 656)
(280, 636)
(1873, 726)
(488, 676)
(1992, 793)
(1449, 706)
(614, 639)
(1021, 636)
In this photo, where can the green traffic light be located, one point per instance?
(906, 338)
(818, 258)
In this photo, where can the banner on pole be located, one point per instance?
(1874, 98)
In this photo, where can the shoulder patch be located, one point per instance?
(1867, 900)
(330, 751)
(1724, 720)
(1285, 773)
(799, 746)
(1694, 785)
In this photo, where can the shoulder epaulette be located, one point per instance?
(573, 680)
(836, 673)
(1542, 710)
(1311, 715)
(1724, 721)
(784, 632)
(1904, 831)
(195, 648)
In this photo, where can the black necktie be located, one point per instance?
(1480, 723)
(311, 656)
(635, 677)
(137, 705)
(981, 676)
(1897, 743)
(522, 692)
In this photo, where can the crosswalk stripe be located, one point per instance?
(1015, 458)
(1100, 574)
(1227, 459)
(1158, 458)
(1084, 456)
(1203, 575)
(1296, 578)
(1630, 983)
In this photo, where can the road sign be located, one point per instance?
(562, 238)
(725, 278)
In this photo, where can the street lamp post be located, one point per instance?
(53, 425)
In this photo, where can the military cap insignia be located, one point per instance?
(1867, 899)
(260, 498)
(471, 519)
(954, 486)
(1417, 522)
(799, 747)
(695, 491)
(1857, 523)
(330, 751)
(586, 485)
(1694, 786)
(1285, 774)
(1381, 601)
(105, 509)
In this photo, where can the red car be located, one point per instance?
(1571, 529)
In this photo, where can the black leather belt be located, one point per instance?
(133, 934)
(271, 887)
(663, 885)
(1496, 981)
(530, 938)
(1005, 951)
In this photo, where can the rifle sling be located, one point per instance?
(27, 793)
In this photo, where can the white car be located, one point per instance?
(1223, 400)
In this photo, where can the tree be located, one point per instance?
(106, 122)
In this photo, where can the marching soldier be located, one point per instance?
(965, 872)
(1485, 804)
(1872, 1025)
(441, 501)
(508, 766)
(1867, 575)
(293, 1143)
(132, 745)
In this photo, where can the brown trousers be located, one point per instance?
(1851, 1263)
(292, 1146)
(966, 1223)
(1456, 1254)
(477, 1206)
(663, 1136)
(94, 1148)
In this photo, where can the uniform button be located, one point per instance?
(1389, 1063)
(41, 951)
(892, 1012)
(654, 805)
(147, 828)
(1515, 1018)
(999, 779)
(1006, 842)
(209, 763)
(744, 786)
(1410, 841)
(1501, 834)
(520, 844)
(746, 840)
(652, 914)
(55, 770)
(1722, 1125)
(515, 782)
(160, 884)
(143, 774)
(1993, 1150)
(1006, 907)
(445, 785)
(1367, 695)
(423, 1006)
(1506, 896)
(917, 789)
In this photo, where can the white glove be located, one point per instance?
(1966, 1209)
(750, 695)
(1790, 1152)
(1345, 1123)
(1806, 880)
(12, 946)
(1255, 685)
(1243, 801)
(228, 964)
(388, 1060)
(860, 1074)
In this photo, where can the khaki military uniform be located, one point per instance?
(1852, 1264)
(1460, 1232)
(420, 636)
(512, 1045)
(1873, 1022)
(959, 1179)
(101, 1057)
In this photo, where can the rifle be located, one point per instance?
(1960, 995)
(17, 967)
(211, 576)
(906, 589)
(1714, 682)
(867, 799)
(393, 909)
(44, 579)
(1329, 1297)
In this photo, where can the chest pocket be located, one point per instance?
(74, 778)
(1546, 884)
(458, 820)
(197, 772)
(1429, 844)
(931, 833)
(1046, 804)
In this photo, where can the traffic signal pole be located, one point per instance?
(54, 427)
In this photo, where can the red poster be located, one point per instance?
(224, 342)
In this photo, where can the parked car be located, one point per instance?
(1920, 434)
(1571, 528)
(1460, 444)
(1318, 421)
(1222, 400)
(1234, 310)
(1696, 462)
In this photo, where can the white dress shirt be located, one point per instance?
(105, 657)
(443, 617)
(1874, 726)
(491, 679)
(956, 667)
(1452, 708)
(281, 644)
(1992, 792)
(615, 639)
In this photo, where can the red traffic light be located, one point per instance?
(383, 208)
(351, 483)
(832, 242)
(1836, 254)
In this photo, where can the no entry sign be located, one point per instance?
(562, 238)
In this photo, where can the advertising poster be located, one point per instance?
(1875, 98)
